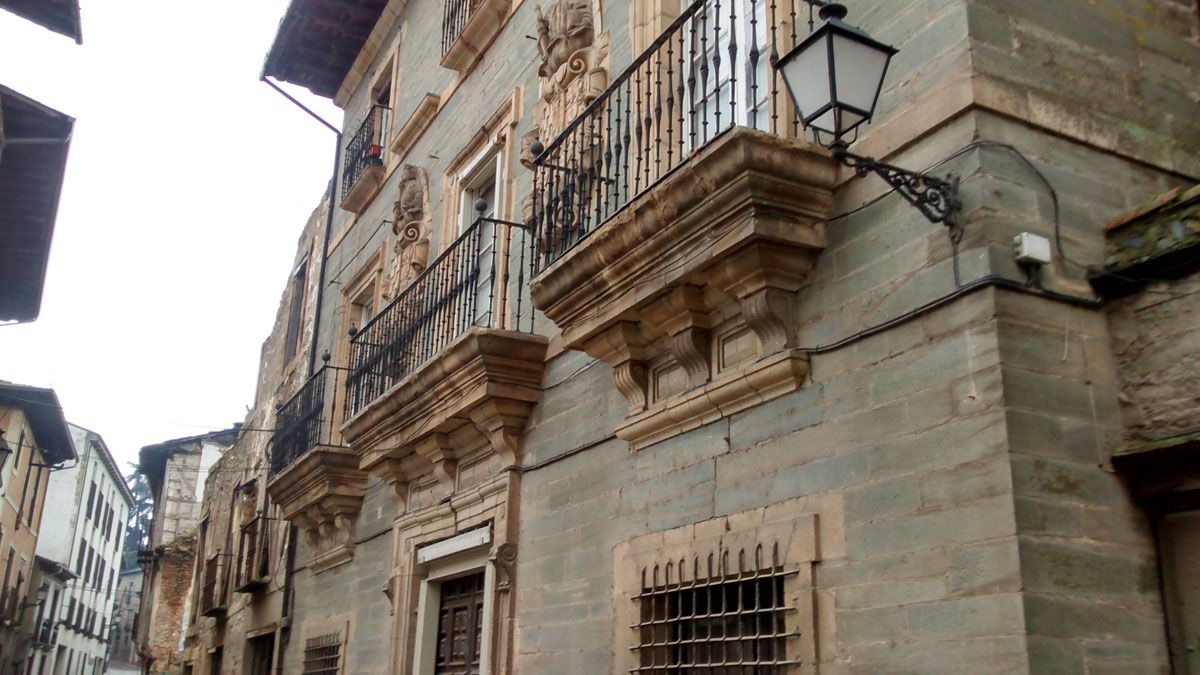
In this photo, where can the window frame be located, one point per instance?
(440, 570)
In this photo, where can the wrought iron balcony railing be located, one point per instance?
(467, 286)
(309, 418)
(365, 148)
(212, 597)
(709, 71)
(455, 14)
(254, 560)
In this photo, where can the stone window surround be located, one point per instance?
(342, 624)
(428, 603)
(412, 584)
(369, 273)
(494, 138)
(790, 524)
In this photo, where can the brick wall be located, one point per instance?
(172, 591)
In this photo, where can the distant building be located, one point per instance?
(84, 532)
(175, 470)
(34, 439)
(123, 651)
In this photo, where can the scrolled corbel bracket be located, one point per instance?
(504, 559)
(623, 347)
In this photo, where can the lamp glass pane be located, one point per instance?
(807, 76)
(859, 69)
(847, 120)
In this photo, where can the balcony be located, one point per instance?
(45, 635)
(362, 163)
(254, 556)
(450, 364)
(677, 217)
(213, 600)
(468, 27)
(315, 479)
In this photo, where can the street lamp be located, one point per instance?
(834, 77)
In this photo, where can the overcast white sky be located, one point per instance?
(187, 185)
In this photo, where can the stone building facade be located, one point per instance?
(617, 384)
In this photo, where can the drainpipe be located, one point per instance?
(289, 567)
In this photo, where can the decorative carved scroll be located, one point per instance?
(412, 223)
(504, 559)
(574, 69)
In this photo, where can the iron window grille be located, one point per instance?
(709, 71)
(365, 148)
(467, 286)
(714, 616)
(323, 654)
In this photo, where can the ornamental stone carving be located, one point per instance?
(562, 30)
(573, 69)
(412, 223)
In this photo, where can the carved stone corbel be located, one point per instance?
(389, 589)
(623, 347)
(502, 421)
(436, 449)
(396, 474)
(764, 278)
(683, 316)
(504, 559)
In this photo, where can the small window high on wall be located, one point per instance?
(295, 313)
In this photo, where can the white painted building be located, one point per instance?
(83, 529)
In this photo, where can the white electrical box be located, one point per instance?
(1032, 249)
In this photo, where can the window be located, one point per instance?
(214, 661)
(381, 98)
(480, 199)
(709, 30)
(295, 312)
(460, 626)
(738, 600)
(91, 500)
(261, 652)
(322, 654)
(722, 622)
(17, 455)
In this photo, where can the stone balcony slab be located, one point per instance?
(322, 493)
(479, 390)
(689, 292)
